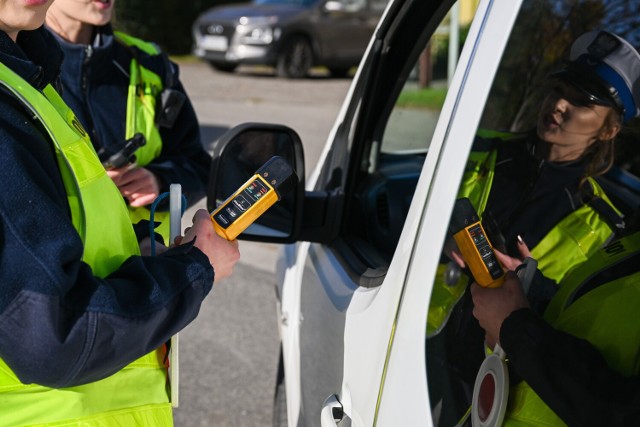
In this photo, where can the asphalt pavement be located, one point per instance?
(229, 354)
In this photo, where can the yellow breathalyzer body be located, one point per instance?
(253, 198)
(475, 246)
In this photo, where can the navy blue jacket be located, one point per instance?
(95, 81)
(59, 324)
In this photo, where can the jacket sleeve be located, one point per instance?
(183, 159)
(569, 373)
(59, 324)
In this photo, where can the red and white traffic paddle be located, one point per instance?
(491, 391)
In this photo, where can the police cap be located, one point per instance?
(607, 69)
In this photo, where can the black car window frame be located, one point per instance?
(396, 48)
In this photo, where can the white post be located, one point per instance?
(454, 41)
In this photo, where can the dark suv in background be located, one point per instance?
(290, 35)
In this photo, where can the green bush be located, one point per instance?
(166, 22)
(427, 98)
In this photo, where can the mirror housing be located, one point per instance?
(299, 215)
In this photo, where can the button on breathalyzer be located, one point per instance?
(254, 197)
(475, 246)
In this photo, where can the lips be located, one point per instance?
(550, 120)
(36, 2)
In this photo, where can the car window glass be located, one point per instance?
(393, 163)
(539, 43)
(416, 111)
(353, 5)
(378, 5)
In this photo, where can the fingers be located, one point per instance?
(139, 185)
(201, 215)
(508, 262)
(201, 224)
(523, 248)
(141, 199)
(457, 257)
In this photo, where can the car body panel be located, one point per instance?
(437, 189)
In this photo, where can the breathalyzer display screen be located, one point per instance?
(485, 251)
(241, 203)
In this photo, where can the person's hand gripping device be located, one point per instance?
(475, 246)
(125, 155)
(254, 197)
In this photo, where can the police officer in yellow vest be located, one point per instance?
(84, 316)
(577, 355)
(120, 86)
(540, 187)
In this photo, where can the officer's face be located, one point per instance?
(17, 15)
(87, 12)
(568, 119)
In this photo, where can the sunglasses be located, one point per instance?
(579, 96)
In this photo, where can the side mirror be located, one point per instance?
(237, 155)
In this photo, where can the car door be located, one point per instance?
(340, 301)
(511, 50)
(356, 308)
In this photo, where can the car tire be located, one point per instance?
(295, 59)
(339, 72)
(280, 398)
(225, 68)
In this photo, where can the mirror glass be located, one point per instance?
(239, 161)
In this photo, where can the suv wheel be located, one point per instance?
(295, 59)
(339, 72)
(280, 407)
(280, 398)
(225, 68)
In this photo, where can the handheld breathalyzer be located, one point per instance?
(475, 246)
(254, 197)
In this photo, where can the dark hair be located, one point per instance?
(601, 154)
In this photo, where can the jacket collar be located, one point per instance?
(35, 56)
(96, 57)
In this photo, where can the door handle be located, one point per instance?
(332, 412)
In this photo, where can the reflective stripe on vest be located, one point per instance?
(604, 316)
(574, 239)
(137, 391)
(144, 88)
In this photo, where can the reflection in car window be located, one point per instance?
(538, 45)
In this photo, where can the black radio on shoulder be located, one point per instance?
(171, 102)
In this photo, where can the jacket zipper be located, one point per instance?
(85, 90)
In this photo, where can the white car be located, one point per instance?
(365, 233)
